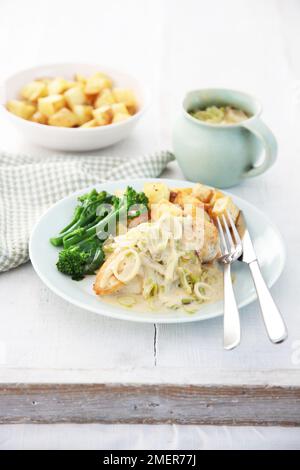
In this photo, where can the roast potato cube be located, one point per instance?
(132, 109)
(119, 108)
(57, 86)
(39, 118)
(80, 78)
(103, 115)
(63, 118)
(181, 194)
(223, 205)
(71, 84)
(51, 104)
(21, 109)
(202, 192)
(164, 206)
(119, 117)
(75, 96)
(105, 77)
(126, 96)
(83, 112)
(155, 192)
(89, 124)
(90, 99)
(34, 90)
(97, 83)
(216, 195)
(105, 97)
(94, 85)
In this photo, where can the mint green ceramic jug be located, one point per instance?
(222, 155)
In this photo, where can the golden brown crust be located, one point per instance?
(181, 195)
(202, 192)
(210, 249)
(111, 285)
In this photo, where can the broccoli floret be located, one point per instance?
(137, 203)
(72, 261)
(83, 258)
(134, 198)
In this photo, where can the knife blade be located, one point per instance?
(248, 254)
(273, 320)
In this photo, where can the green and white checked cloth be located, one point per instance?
(29, 185)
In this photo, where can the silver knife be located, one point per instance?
(273, 320)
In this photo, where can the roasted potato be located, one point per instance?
(80, 78)
(20, 108)
(120, 112)
(224, 204)
(119, 108)
(91, 100)
(63, 118)
(123, 95)
(155, 192)
(57, 86)
(97, 83)
(103, 115)
(39, 118)
(202, 192)
(83, 112)
(89, 124)
(119, 117)
(34, 90)
(75, 96)
(105, 97)
(50, 104)
(179, 195)
(163, 206)
(216, 195)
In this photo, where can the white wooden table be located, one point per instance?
(173, 373)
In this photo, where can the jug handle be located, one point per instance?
(266, 136)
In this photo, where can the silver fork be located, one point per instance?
(231, 251)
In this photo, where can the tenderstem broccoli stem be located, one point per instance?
(97, 229)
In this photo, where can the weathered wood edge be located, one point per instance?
(140, 403)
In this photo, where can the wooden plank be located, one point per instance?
(119, 403)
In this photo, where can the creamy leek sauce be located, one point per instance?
(220, 115)
(128, 298)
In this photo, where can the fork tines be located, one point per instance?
(228, 243)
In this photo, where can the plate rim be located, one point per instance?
(142, 319)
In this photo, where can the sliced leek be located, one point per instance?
(126, 301)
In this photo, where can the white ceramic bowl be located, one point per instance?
(71, 139)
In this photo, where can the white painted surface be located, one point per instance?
(165, 437)
(251, 45)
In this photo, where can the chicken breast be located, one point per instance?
(211, 246)
(106, 283)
